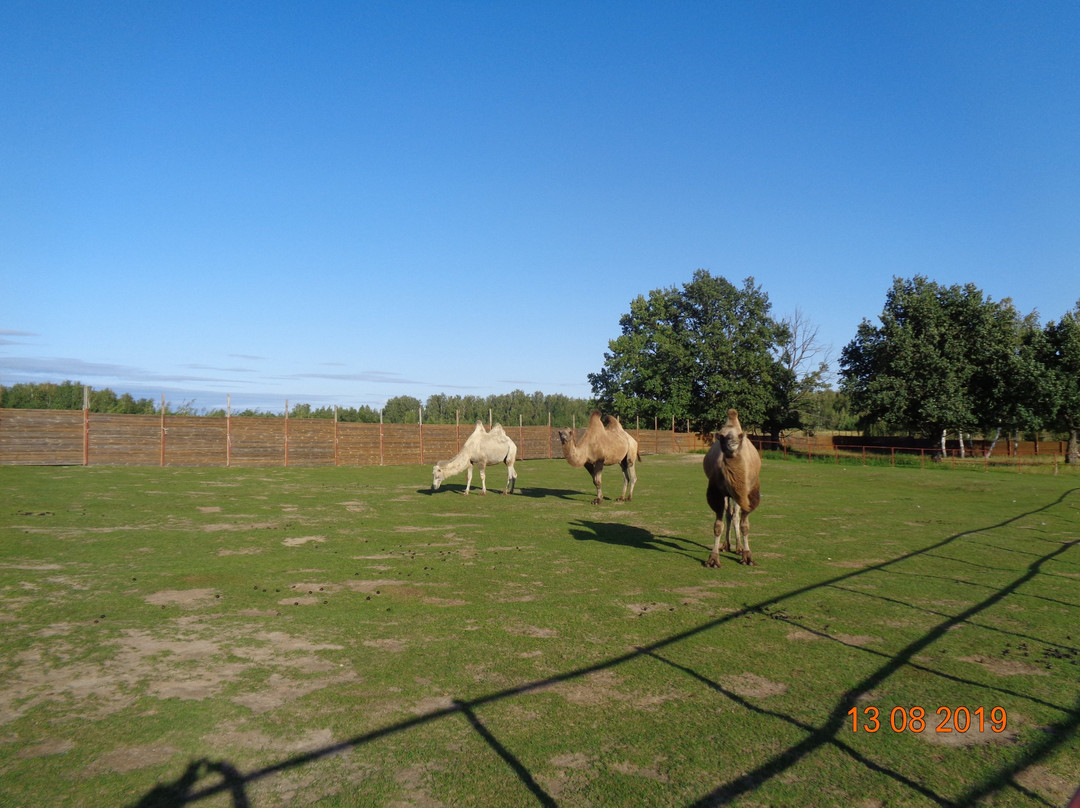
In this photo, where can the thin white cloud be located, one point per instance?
(5, 333)
(55, 369)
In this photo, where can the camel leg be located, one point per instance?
(729, 516)
(468, 478)
(629, 480)
(743, 536)
(511, 478)
(596, 470)
(483, 477)
(716, 502)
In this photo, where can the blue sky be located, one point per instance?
(337, 203)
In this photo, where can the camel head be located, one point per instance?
(731, 435)
(566, 435)
(437, 477)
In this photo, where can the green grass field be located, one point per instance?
(346, 637)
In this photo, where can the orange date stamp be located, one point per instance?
(915, 719)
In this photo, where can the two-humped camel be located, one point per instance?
(733, 467)
(603, 444)
(481, 448)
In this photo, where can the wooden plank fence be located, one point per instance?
(74, 437)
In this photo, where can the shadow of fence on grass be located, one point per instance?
(191, 788)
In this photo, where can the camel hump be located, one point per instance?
(613, 423)
(732, 420)
(595, 418)
(498, 430)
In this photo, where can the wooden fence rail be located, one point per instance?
(74, 437)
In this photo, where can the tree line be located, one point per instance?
(509, 409)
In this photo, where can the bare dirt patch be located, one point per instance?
(300, 540)
(1004, 667)
(444, 602)
(592, 690)
(53, 746)
(1041, 780)
(972, 735)
(131, 758)
(652, 772)
(243, 551)
(752, 686)
(533, 631)
(187, 658)
(858, 640)
(376, 585)
(219, 527)
(190, 598)
(279, 690)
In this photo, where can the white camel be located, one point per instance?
(481, 448)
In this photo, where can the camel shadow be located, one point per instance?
(561, 493)
(637, 538)
(532, 493)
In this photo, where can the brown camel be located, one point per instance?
(603, 443)
(733, 467)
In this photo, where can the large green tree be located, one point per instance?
(1060, 356)
(692, 353)
(943, 357)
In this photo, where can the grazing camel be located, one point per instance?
(481, 448)
(733, 467)
(603, 443)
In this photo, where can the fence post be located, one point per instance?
(656, 434)
(420, 415)
(86, 425)
(521, 436)
(336, 463)
(381, 462)
(286, 433)
(161, 458)
(228, 431)
(549, 435)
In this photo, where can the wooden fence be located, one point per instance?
(83, 438)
